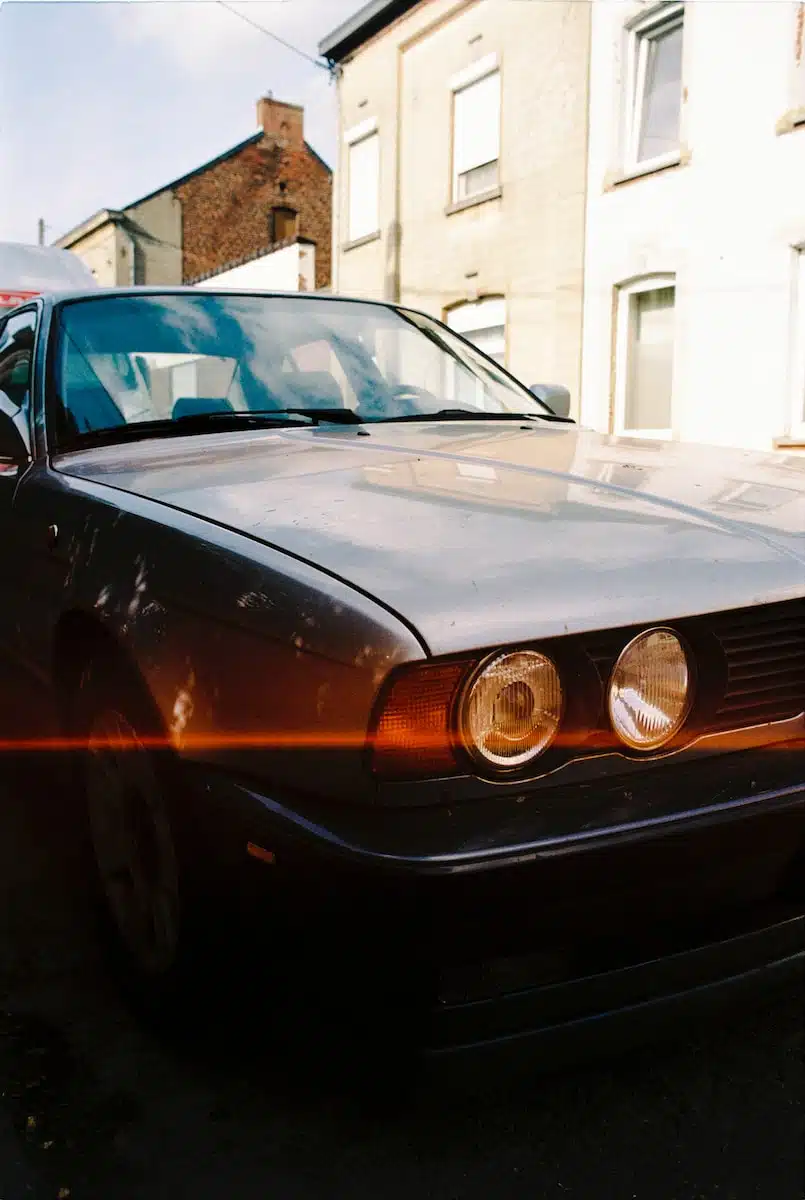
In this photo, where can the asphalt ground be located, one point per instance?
(95, 1104)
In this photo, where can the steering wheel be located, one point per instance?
(404, 397)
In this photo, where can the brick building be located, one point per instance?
(267, 200)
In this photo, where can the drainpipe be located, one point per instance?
(337, 198)
(395, 231)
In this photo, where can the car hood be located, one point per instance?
(487, 533)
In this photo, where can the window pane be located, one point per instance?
(477, 315)
(16, 356)
(491, 341)
(650, 360)
(799, 340)
(122, 360)
(662, 96)
(364, 180)
(479, 179)
(476, 125)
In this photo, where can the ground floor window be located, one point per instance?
(645, 358)
(482, 322)
(798, 349)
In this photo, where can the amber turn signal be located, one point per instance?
(412, 737)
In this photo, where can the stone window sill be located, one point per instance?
(667, 162)
(790, 121)
(361, 241)
(482, 198)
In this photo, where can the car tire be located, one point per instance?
(143, 875)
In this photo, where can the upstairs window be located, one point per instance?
(654, 95)
(363, 182)
(283, 224)
(476, 130)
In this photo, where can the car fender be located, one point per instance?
(254, 659)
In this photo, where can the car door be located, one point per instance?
(17, 340)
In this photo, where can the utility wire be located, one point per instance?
(317, 62)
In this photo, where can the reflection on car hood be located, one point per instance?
(481, 534)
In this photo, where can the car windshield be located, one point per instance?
(153, 360)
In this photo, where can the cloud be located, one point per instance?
(203, 40)
(172, 83)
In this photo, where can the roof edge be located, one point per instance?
(357, 29)
(205, 166)
(104, 216)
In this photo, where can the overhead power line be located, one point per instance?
(317, 62)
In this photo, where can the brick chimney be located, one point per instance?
(283, 123)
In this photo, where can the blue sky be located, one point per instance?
(101, 103)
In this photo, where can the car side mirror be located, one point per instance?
(13, 446)
(554, 395)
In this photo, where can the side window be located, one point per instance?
(16, 361)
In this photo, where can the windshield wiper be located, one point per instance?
(178, 427)
(472, 414)
(338, 416)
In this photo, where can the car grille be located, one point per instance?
(763, 650)
(765, 653)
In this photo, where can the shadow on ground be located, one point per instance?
(96, 1105)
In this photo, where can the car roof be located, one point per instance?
(37, 269)
(67, 296)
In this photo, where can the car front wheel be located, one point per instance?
(141, 865)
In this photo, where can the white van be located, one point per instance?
(27, 271)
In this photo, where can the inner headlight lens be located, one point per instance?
(512, 710)
(650, 690)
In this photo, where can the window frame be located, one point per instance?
(285, 210)
(648, 26)
(26, 410)
(798, 66)
(477, 73)
(354, 137)
(625, 294)
(796, 423)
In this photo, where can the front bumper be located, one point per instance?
(513, 933)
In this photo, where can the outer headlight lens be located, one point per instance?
(650, 690)
(512, 709)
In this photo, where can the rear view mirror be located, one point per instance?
(554, 395)
(13, 445)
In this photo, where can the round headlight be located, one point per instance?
(650, 690)
(512, 709)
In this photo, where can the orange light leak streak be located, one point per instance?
(310, 740)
